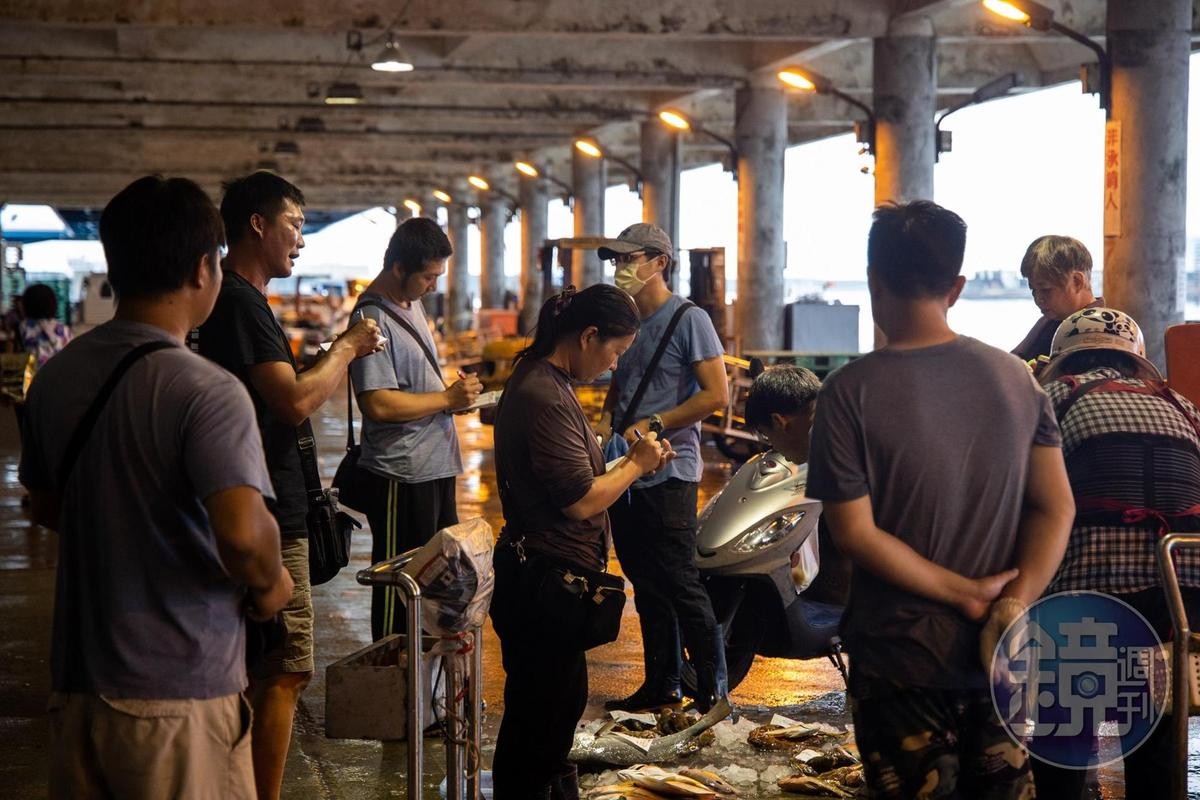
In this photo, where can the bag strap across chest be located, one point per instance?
(87, 422)
(630, 415)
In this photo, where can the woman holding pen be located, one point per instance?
(555, 494)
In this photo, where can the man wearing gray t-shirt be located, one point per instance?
(939, 463)
(165, 541)
(410, 450)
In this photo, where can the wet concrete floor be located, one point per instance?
(319, 767)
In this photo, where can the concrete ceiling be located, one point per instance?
(97, 94)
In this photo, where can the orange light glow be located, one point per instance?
(1006, 10)
(589, 148)
(525, 168)
(675, 119)
(797, 79)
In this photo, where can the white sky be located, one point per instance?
(1021, 167)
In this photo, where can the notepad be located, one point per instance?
(485, 400)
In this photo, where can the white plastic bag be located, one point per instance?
(454, 571)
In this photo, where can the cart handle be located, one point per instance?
(1180, 686)
(390, 573)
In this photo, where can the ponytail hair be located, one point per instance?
(608, 309)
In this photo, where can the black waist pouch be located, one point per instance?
(571, 603)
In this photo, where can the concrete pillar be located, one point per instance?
(1144, 242)
(660, 171)
(534, 213)
(458, 296)
(493, 215)
(587, 184)
(905, 102)
(761, 138)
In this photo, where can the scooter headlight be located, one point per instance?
(769, 532)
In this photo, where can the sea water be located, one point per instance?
(1001, 323)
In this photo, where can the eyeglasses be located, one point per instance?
(621, 259)
(762, 436)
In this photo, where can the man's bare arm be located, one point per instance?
(713, 396)
(1046, 520)
(293, 397)
(248, 544)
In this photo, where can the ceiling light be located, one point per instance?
(1035, 15)
(391, 58)
(675, 119)
(438, 194)
(807, 80)
(343, 93)
(479, 183)
(525, 168)
(413, 206)
(589, 148)
(797, 79)
(1040, 18)
(1006, 10)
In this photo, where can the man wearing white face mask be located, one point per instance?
(670, 378)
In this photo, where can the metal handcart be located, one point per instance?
(1185, 656)
(464, 695)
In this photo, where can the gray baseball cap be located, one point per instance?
(639, 236)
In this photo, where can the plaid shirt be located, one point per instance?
(1106, 437)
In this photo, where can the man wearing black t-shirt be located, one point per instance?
(264, 217)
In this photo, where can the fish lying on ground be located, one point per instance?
(813, 787)
(762, 739)
(626, 790)
(667, 784)
(776, 737)
(825, 760)
(834, 772)
(849, 777)
(618, 751)
(710, 779)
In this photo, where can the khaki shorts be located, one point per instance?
(295, 653)
(132, 749)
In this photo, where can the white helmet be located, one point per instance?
(1099, 329)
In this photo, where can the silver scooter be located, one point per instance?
(759, 555)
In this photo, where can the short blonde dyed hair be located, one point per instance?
(1055, 258)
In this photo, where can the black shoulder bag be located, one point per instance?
(76, 678)
(352, 485)
(629, 417)
(329, 528)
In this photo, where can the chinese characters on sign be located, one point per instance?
(1076, 661)
(1112, 178)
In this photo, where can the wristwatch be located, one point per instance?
(656, 424)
